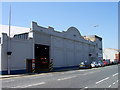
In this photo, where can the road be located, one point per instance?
(102, 77)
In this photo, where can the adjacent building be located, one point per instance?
(112, 54)
(39, 48)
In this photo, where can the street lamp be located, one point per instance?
(9, 49)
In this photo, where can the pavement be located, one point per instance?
(95, 78)
(30, 74)
(21, 75)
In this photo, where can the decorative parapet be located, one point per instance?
(71, 33)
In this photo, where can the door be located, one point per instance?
(41, 58)
(29, 65)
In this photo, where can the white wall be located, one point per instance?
(109, 54)
(67, 48)
(58, 52)
(0, 57)
(68, 52)
(4, 48)
(20, 48)
(41, 38)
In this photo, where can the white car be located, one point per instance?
(94, 64)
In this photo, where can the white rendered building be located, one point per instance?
(45, 45)
(110, 53)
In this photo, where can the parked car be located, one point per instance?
(108, 61)
(94, 64)
(100, 64)
(105, 63)
(84, 65)
(116, 61)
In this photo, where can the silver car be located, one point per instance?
(94, 64)
(100, 64)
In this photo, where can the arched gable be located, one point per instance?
(73, 31)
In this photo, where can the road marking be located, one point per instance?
(102, 80)
(34, 84)
(84, 88)
(114, 83)
(109, 86)
(30, 85)
(117, 80)
(115, 74)
(66, 78)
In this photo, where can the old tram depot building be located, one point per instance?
(40, 49)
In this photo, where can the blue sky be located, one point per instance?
(62, 15)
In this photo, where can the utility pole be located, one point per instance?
(9, 43)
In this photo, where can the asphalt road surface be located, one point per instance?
(102, 77)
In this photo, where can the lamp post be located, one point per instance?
(9, 43)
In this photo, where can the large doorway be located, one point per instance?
(41, 58)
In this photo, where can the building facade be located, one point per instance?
(44, 46)
(112, 54)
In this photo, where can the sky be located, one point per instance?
(62, 15)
